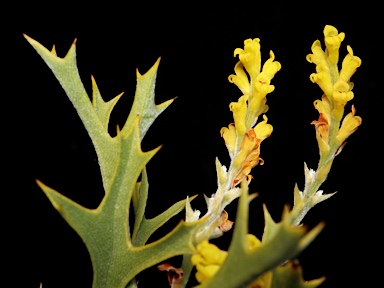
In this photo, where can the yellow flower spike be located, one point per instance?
(262, 129)
(240, 79)
(333, 39)
(229, 135)
(239, 110)
(349, 125)
(250, 56)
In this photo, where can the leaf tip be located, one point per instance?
(29, 39)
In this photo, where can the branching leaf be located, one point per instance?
(95, 116)
(105, 230)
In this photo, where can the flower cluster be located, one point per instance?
(241, 137)
(337, 90)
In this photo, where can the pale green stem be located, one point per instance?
(302, 208)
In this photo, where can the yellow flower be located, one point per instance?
(263, 80)
(349, 66)
(263, 130)
(229, 135)
(240, 79)
(250, 56)
(349, 125)
(333, 41)
(262, 86)
(239, 110)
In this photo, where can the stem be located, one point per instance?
(301, 209)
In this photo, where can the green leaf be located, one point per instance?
(95, 116)
(290, 275)
(103, 109)
(144, 103)
(149, 226)
(143, 227)
(244, 265)
(105, 230)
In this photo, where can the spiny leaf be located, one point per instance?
(95, 117)
(105, 230)
(144, 103)
(290, 275)
(149, 226)
(103, 109)
(270, 226)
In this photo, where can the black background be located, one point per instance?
(43, 138)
